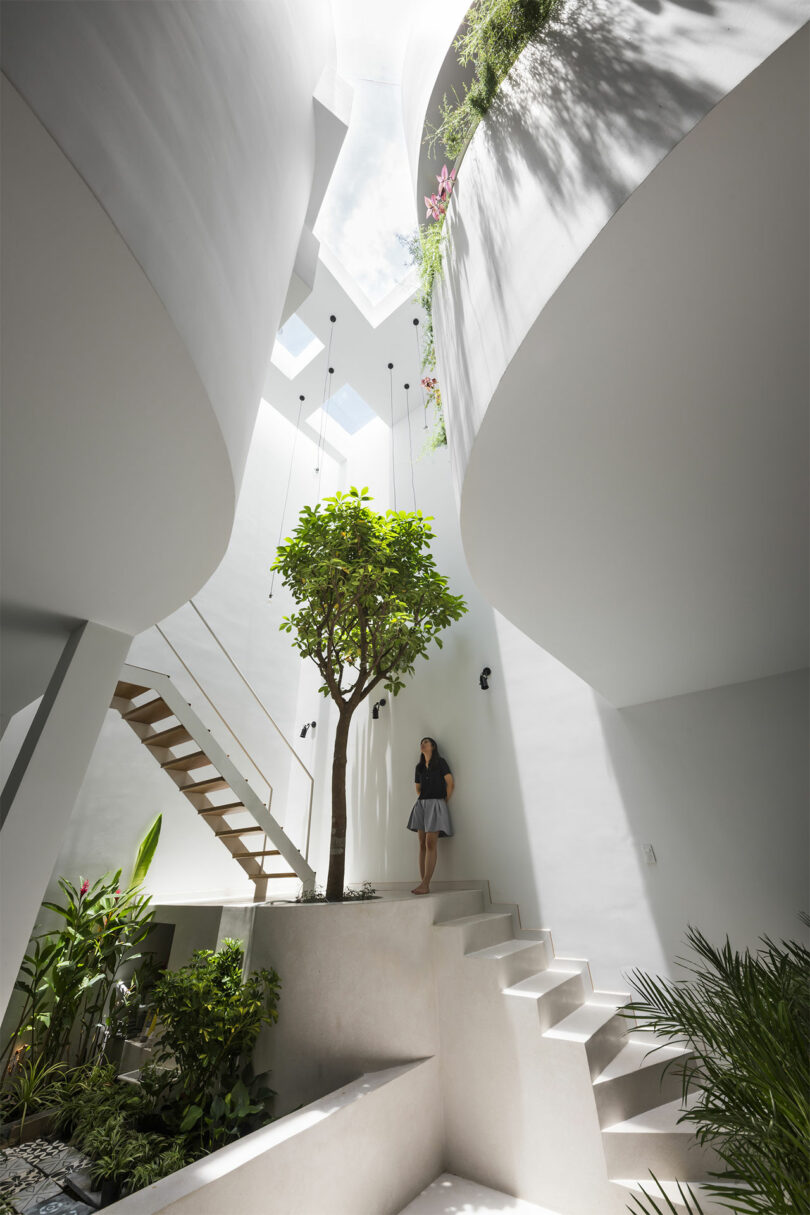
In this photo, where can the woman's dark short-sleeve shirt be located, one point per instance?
(431, 780)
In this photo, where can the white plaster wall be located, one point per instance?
(621, 330)
(556, 791)
(364, 1150)
(124, 788)
(193, 123)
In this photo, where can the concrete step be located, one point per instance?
(514, 960)
(479, 931)
(557, 990)
(637, 1079)
(450, 1193)
(655, 1142)
(598, 1027)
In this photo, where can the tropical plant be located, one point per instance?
(494, 35)
(369, 602)
(115, 1124)
(210, 1018)
(68, 976)
(146, 852)
(32, 1085)
(745, 1018)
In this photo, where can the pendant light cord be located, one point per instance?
(327, 393)
(393, 465)
(421, 368)
(410, 442)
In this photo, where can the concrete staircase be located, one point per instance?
(573, 1106)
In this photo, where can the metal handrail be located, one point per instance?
(264, 710)
(228, 727)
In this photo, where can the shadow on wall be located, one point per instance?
(594, 79)
(474, 732)
(717, 782)
(583, 109)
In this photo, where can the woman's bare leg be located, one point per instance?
(422, 854)
(431, 853)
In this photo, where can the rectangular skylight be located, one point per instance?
(295, 347)
(294, 336)
(349, 409)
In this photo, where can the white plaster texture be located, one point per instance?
(310, 1162)
(194, 126)
(621, 334)
(51, 765)
(557, 792)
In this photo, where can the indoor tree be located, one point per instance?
(369, 600)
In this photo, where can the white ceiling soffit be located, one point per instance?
(360, 354)
(636, 499)
(117, 489)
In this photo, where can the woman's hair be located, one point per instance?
(434, 755)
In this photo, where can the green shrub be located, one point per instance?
(209, 1021)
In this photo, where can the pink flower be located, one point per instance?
(85, 886)
(435, 207)
(429, 383)
(446, 181)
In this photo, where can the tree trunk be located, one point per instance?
(337, 844)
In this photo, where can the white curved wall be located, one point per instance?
(159, 167)
(193, 125)
(627, 399)
(430, 70)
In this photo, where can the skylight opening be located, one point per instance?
(349, 409)
(295, 347)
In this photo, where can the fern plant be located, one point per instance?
(745, 1018)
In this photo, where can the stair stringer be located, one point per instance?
(206, 741)
(519, 1075)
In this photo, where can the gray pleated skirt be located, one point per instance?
(431, 814)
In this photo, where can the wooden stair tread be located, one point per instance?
(206, 786)
(168, 738)
(236, 831)
(128, 691)
(244, 856)
(186, 763)
(227, 809)
(153, 710)
(263, 877)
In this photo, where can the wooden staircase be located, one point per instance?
(187, 751)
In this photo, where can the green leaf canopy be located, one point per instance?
(370, 598)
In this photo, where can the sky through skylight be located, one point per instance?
(370, 198)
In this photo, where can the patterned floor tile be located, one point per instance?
(58, 1164)
(32, 1196)
(61, 1204)
(14, 1173)
(39, 1149)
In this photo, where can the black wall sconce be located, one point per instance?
(375, 712)
(483, 678)
(309, 725)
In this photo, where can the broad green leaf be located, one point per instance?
(146, 852)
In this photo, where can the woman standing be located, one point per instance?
(430, 816)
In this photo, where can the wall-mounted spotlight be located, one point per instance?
(309, 725)
(375, 712)
(483, 678)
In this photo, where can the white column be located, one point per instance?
(38, 797)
